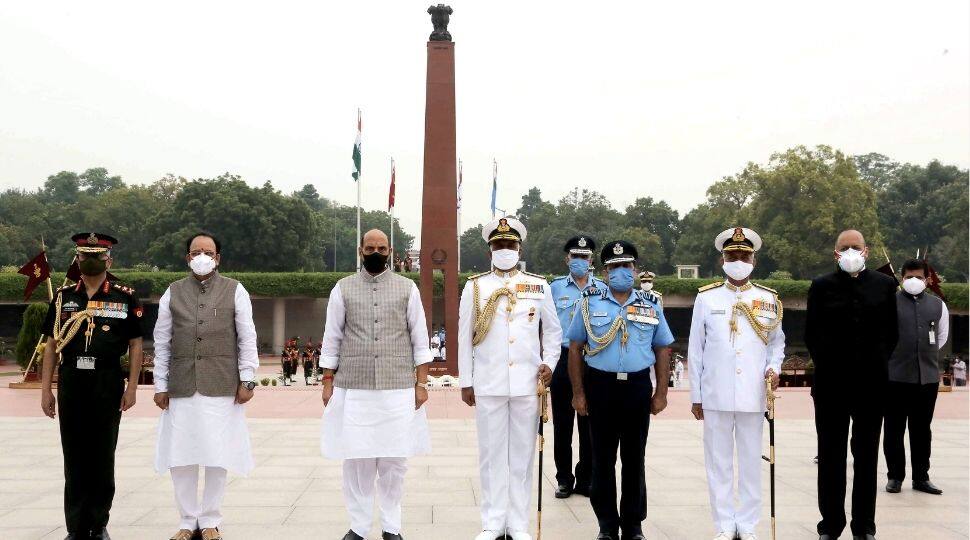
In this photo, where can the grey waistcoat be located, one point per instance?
(376, 352)
(915, 360)
(204, 346)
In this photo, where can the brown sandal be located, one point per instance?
(211, 534)
(183, 534)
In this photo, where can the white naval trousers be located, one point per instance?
(507, 432)
(193, 514)
(722, 431)
(360, 477)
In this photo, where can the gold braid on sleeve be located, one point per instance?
(761, 329)
(483, 316)
(602, 342)
(63, 334)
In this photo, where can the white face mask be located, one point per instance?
(738, 270)
(646, 286)
(202, 264)
(914, 285)
(505, 259)
(852, 261)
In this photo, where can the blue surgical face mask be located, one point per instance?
(621, 279)
(578, 267)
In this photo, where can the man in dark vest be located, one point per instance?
(850, 331)
(90, 325)
(914, 378)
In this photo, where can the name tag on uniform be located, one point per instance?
(932, 337)
(529, 291)
(642, 314)
(621, 376)
(598, 314)
(718, 312)
(85, 362)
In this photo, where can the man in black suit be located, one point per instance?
(851, 331)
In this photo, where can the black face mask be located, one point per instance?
(92, 267)
(375, 262)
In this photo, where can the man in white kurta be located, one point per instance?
(501, 355)
(736, 341)
(375, 359)
(205, 364)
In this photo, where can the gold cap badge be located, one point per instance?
(503, 225)
(617, 249)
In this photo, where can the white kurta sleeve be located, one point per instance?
(246, 341)
(466, 325)
(551, 330)
(776, 350)
(333, 333)
(695, 350)
(163, 342)
(943, 327)
(417, 325)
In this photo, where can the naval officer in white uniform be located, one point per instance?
(736, 341)
(509, 337)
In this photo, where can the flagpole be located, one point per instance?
(359, 176)
(392, 216)
(459, 216)
(50, 297)
(334, 203)
(358, 223)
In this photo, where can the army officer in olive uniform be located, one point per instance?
(91, 324)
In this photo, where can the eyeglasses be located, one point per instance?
(383, 250)
(197, 252)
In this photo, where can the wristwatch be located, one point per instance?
(248, 384)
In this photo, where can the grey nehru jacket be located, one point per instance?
(204, 346)
(376, 351)
(916, 360)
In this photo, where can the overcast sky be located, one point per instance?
(630, 99)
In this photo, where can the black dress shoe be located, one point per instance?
(391, 536)
(351, 535)
(863, 537)
(927, 487)
(894, 486)
(581, 489)
(100, 535)
(605, 536)
(635, 536)
(563, 491)
(827, 537)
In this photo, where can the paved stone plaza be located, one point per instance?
(294, 493)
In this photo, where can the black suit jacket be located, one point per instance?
(851, 331)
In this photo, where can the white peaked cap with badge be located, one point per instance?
(738, 239)
(505, 228)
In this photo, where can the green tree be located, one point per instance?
(474, 252)
(805, 197)
(876, 170)
(30, 330)
(661, 221)
(96, 181)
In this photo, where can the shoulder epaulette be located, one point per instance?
(711, 286)
(540, 276)
(123, 288)
(66, 287)
(769, 289)
(657, 293)
(560, 278)
(592, 291)
(648, 296)
(476, 276)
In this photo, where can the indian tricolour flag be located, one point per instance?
(356, 155)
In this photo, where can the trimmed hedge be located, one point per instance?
(319, 284)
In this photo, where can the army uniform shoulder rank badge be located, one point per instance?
(642, 314)
(529, 291)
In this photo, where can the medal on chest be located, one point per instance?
(642, 313)
(764, 308)
(529, 291)
(111, 310)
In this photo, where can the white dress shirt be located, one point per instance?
(506, 362)
(727, 373)
(245, 339)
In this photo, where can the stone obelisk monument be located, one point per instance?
(439, 221)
